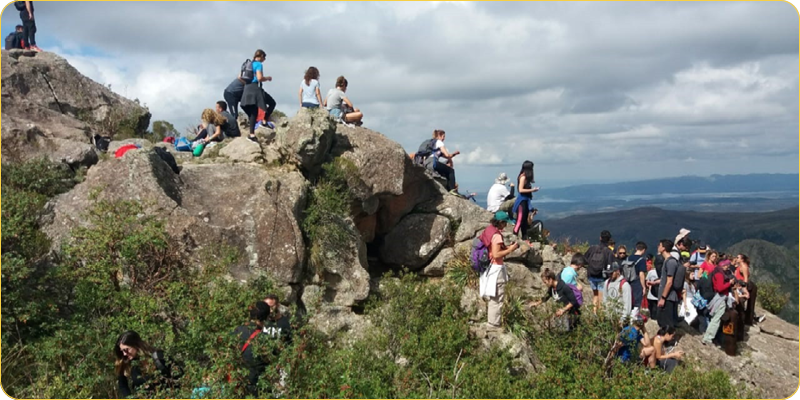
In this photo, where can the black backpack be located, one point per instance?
(246, 72)
(425, 150)
(596, 260)
(11, 41)
(19, 5)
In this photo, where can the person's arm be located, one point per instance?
(522, 181)
(498, 253)
(567, 293)
(564, 309)
(627, 300)
(217, 133)
(347, 101)
(719, 283)
(122, 383)
(319, 96)
(261, 77)
(300, 97)
(642, 280)
(30, 12)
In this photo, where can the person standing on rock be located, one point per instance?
(499, 193)
(493, 280)
(524, 203)
(309, 89)
(617, 295)
(599, 259)
(28, 25)
(742, 273)
(231, 127)
(670, 291)
(254, 97)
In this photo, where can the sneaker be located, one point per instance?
(761, 319)
(454, 192)
(270, 125)
(253, 138)
(36, 48)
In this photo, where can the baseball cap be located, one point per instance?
(502, 216)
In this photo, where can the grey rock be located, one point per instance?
(437, 266)
(116, 144)
(306, 139)
(415, 240)
(344, 270)
(242, 149)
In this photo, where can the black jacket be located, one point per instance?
(140, 381)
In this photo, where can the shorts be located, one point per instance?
(336, 113)
(310, 105)
(596, 283)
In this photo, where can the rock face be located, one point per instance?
(344, 270)
(306, 139)
(415, 240)
(242, 207)
(50, 109)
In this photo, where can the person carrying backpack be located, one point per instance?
(617, 297)
(139, 366)
(254, 98)
(251, 335)
(671, 289)
(493, 280)
(569, 314)
(28, 25)
(14, 39)
(599, 259)
(634, 270)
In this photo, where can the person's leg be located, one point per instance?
(353, 117)
(32, 33)
(702, 316)
(270, 102)
(636, 288)
(448, 174)
(713, 326)
(738, 326)
(233, 106)
(750, 313)
(252, 117)
(26, 30)
(495, 311)
(596, 285)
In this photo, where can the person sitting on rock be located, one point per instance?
(254, 98)
(339, 106)
(631, 337)
(499, 193)
(231, 127)
(309, 89)
(211, 125)
(666, 360)
(443, 160)
(568, 316)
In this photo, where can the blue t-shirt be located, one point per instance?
(630, 338)
(257, 66)
(568, 275)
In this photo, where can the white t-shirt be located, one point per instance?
(651, 276)
(439, 144)
(310, 91)
(497, 194)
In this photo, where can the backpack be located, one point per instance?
(19, 5)
(11, 41)
(101, 142)
(425, 150)
(182, 144)
(597, 260)
(481, 260)
(578, 294)
(246, 72)
(629, 270)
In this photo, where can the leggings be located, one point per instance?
(28, 30)
(749, 314)
(448, 173)
(270, 105)
(522, 219)
(252, 116)
(233, 103)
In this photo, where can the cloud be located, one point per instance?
(575, 87)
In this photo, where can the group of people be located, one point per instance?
(140, 367)
(246, 91)
(24, 36)
(685, 281)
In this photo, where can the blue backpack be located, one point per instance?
(182, 144)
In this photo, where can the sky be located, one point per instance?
(590, 92)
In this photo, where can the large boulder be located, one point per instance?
(242, 149)
(418, 187)
(344, 269)
(208, 206)
(438, 265)
(415, 240)
(45, 98)
(463, 211)
(116, 144)
(306, 139)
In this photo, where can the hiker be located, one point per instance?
(230, 127)
(570, 273)
(697, 259)
(443, 160)
(309, 89)
(233, 95)
(617, 298)
(742, 273)
(721, 300)
(211, 125)
(599, 259)
(703, 294)
(466, 196)
(493, 280)
(277, 327)
(710, 262)
(567, 316)
(669, 291)
(14, 39)
(339, 106)
(634, 270)
(666, 360)
(631, 337)
(28, 25)
(652, 281)
(250, 334)
(139, 366)
(273, 303)
(524, 202)
(254, 98)
(499, 193)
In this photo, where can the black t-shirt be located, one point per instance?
(280, 329)
(243, 333)
(230, 128)
(599, 257)
(563, 293)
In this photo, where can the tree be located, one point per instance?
(162, 129)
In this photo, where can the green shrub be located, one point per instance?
(459, 270)
(771, 297)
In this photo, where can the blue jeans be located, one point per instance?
(597, 283)
(310, 105)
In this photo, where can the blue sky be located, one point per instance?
(591, 92)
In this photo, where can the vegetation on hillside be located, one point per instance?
(61, 318)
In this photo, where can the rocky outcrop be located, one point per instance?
(242, 149)
(415, 240)
(438, 266)
(242, 207)
(48, 105)
(305, 140)
(344, 270)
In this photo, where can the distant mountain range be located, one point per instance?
(769, 238)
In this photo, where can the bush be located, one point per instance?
(459, 271)
(771, 297)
